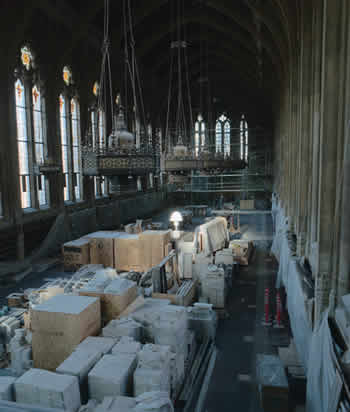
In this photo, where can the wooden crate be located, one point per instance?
(76, 254)
(59, 325)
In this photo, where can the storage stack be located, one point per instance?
(214, 286)
(59, 325)
(202, 320)
(21, 352)
(153, 372)
(112, 376)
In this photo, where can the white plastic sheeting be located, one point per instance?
(290, 275)
(324, 384)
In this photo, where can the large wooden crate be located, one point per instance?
(76, 254)
(59, 325)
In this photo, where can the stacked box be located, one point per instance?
(203, 321)
(59, 325)
(102, 247)
(153, 372)
(112, 376)
(224, 257)
(76, 254)
(48, 389)
(214, 286)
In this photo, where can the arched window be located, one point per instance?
(76, 149)
(31, 136)
(98, 125)
(70, 148)
(244, 139)
(223, 135)
(199, 134)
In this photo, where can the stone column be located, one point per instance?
(344, 248)
(330, 107)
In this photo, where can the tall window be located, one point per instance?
(31, 145)
(199, 134)
(244, 139)
(98, 125)
(70, 147)
(223, 135)
(77, 175)
(39, 122)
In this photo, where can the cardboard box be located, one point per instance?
(153, 244)
(59, 325)
(76, 254)
(127, 253)
(113, 305)
(102, 247)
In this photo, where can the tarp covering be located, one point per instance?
(290, 275)
(324, 384)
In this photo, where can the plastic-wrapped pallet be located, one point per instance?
(214, 286)
(153, 372)
(123, 327)
(148, 313)
(202, 320)
(112, 376)
(48, 389)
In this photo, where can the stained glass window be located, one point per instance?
(98, 125)
(23, 145)
(39, 122)
(65, 147)
(223, 135)
(244, 134)
(77, 175)
(199, 134)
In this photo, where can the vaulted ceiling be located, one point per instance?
(248, 43)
